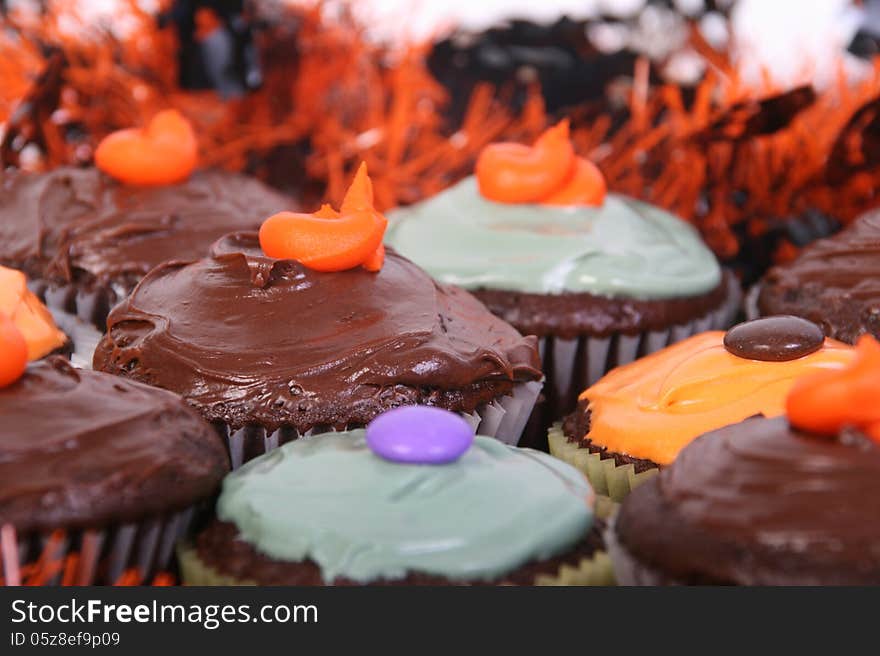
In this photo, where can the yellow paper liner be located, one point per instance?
(595, 570)
(610, 481)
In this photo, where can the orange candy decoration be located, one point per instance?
(28, 314)
(827, 401)
(13, 352)
(163, 153)
(328, 240)
(548, 173)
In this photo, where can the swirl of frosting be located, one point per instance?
(246, 338)
(363, 518)
(29, 315)
(760, 503)
(623, 248)
(827, 401)
(653, 407)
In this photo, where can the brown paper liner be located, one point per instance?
(572, 365)
(90, 305)
(610, 481)
(83, 335)
(595, 570)
(102, 554)
(504, 419)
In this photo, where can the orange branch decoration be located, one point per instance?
(548, 172)
(328, 240)
(163, 153)
(827, 401)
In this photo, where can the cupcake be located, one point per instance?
(106, 470)
(324, 332)
(37, 329)
(785, 501)
(87, 236)
(835, 282)
(600, 278)
(415, 499)
(639, 417)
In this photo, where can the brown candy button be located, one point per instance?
(774, 339)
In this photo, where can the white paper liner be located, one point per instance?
(92, 306)
(504, 419)
(572, 365)
(104, 554)
(84, 335)
(751, 303)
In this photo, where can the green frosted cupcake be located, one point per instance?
(601, 279)
(414, 499)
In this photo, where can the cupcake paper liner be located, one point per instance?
(90, 305)
(84, 335)
(102, 554)
(610, 481)
(503, 419)
(751, 303)
(596, 570)
(571, 365)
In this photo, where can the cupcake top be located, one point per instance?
(30, 317)
(835, 282)
(248, 338)
(80, 448)
(652, 408)
(80, 225)
(778, 501)
(607, 245)
(363, 518)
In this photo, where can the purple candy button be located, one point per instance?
(419, 434)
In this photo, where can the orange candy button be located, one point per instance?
(13, 352)
(165, 152)
(827, 401)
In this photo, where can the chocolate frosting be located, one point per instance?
(78, 225)
(82, 449)
(835, 283)
(760, 503)
(251, 340)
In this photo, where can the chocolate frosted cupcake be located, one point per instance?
(835, 282)
(114, 465)
(600, 278)
(413, 500)
(784, 501)
(86, 238)
(637, 418)
(270, 349)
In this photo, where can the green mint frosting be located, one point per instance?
(624, 248)
(331, 500)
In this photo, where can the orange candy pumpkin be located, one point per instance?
(327, 240)
(164, 152)
(13, 352)
(548, 172)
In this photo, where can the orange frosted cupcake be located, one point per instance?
(638, 417)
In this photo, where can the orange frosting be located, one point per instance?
(28, 314)
(824, 402)
(548, 172)
(655, 406)
(327, 240)
(163, 153)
